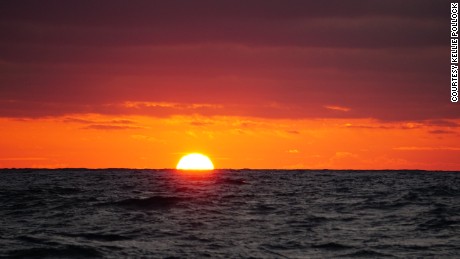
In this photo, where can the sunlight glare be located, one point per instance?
(195, 161)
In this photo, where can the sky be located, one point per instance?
(252, 84)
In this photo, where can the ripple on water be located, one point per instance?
(239, 213)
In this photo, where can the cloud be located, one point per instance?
(123, 121)
(337, 108)
(109, 127)
(95, 121)
(356, 23)
(140, 105)
(377, 59)
(24, 159)
(442, 132)
(374, 126)
(415, 148)
(77, 120)
(443, 123)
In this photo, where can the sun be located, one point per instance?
(195, 161)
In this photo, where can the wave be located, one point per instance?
(332, 246)
(436, 224)
(231, 181)
(99, 236)
(439, 191)
(367, 254)
(154, 202)
(263, 214)
(67, 251)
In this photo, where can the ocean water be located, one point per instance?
(229, 214)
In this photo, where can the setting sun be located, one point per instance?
(195, 161)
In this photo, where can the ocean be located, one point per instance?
(127, 213)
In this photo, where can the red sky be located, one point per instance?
(258, 84)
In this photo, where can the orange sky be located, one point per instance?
(253, 84)
(232, 142)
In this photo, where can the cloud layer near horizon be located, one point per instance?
(386, 60)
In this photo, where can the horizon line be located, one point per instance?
(218, 169)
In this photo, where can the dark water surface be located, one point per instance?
(229, 214)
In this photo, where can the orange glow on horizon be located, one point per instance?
(97, 141)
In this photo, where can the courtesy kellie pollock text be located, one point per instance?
(454, 52)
